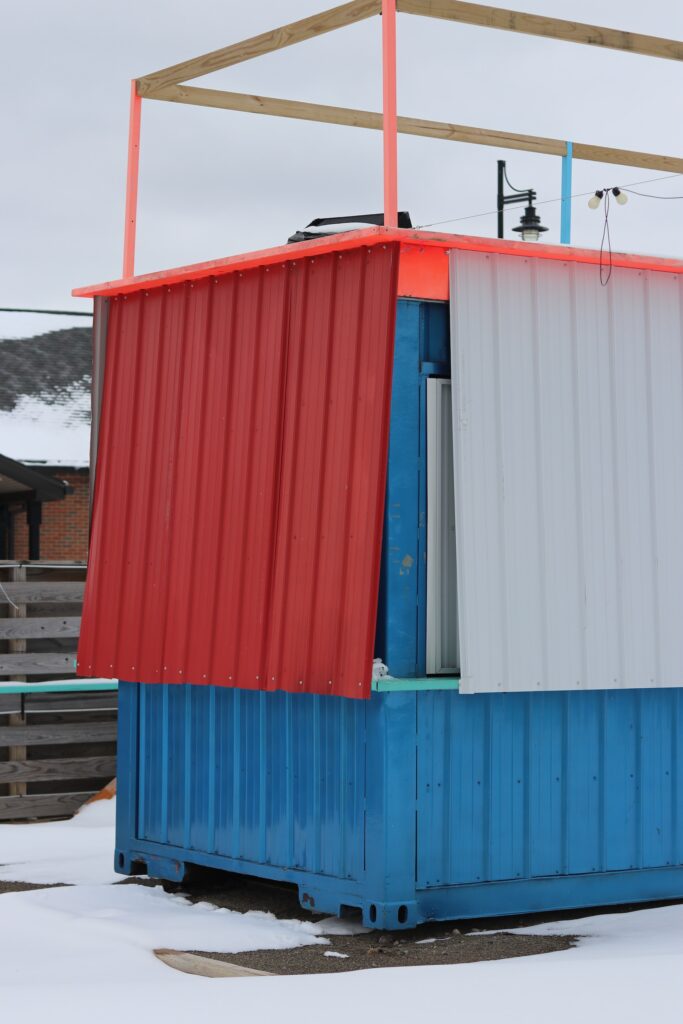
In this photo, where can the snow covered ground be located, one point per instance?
(79, 851)
(84, 954)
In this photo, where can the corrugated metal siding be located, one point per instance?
(241, 470)
(269, 778)
(521, 786)
(568, 434)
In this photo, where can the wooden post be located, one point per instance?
(389, 118)
(132, 182)
(17, 647)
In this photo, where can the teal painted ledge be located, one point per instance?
(388, 685)
(68, 686)
(85, 685)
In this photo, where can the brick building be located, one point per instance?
(45, 427)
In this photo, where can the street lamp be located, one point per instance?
(529, 227)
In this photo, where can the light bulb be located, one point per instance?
(620, 196)
(595, 200)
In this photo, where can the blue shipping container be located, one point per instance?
(410, 806)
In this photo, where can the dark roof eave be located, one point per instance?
(44, 487)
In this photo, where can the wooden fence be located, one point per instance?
(57, 735)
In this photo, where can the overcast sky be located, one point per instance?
(215, 182)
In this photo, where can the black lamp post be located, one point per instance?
(530, 226)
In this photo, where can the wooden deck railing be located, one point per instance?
(57, 734)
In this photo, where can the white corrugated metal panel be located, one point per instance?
(443, 653)
(568, 449)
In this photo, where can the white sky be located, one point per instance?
(215, 182)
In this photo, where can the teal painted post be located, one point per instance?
(566, 216)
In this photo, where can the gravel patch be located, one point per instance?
(381, 949)
(434, 943)
(23, 886)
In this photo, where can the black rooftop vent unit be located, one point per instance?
(314, 229)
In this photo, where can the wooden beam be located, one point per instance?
(205, 966)
(539, 25)
(628, 158)
(41, 805)
(45, 628)
(57, 769)
(412, 126)
(268, 105)
(47, 735)
(39, 593)
(37, 664)
(267, 42)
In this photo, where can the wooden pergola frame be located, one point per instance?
(169, 84)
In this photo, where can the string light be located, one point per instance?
(618, 193)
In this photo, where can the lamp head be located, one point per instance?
(530, 227)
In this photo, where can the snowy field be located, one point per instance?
(84, 954)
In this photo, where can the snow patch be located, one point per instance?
(75, 852)
(52, 432)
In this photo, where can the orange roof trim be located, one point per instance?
(423, 269)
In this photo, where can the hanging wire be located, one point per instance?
(606, 268)
(52, 312)
(8, 598)
(545, 202)
(649, 195)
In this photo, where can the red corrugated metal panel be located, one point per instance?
(237, 523)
